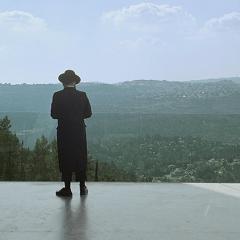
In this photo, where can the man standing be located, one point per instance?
(70, 107)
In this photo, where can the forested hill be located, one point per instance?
(220, 96)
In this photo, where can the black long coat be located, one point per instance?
(71, 106)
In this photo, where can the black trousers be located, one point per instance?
(79, 176)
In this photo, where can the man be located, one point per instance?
(70, 107)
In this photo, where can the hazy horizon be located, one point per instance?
(100, 82)
(118, 41)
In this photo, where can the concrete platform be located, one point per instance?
(119, 211)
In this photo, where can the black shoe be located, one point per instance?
(83, 190)
(64, 192)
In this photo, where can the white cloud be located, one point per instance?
(229, 22)
(21, 22)
(150, 17)
(138, 10)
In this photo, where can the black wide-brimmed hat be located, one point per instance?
(68, 77)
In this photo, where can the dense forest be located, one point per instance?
(150, 158)
(40, 164)
(214, 127)
(173, 159)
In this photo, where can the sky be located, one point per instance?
(115, 41)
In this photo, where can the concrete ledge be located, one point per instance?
(119, 211)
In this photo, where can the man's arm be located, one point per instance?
(87, 109)
(54, 108)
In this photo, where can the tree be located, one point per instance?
(41, 156)
(9, 151)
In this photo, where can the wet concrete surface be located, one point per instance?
(119, 211)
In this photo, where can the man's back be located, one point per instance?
(70, 106)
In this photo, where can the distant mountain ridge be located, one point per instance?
(234, 79)
(219, 96)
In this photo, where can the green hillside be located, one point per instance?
(139, 131)
(140, 96)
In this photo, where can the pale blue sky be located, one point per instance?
(115, 41)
